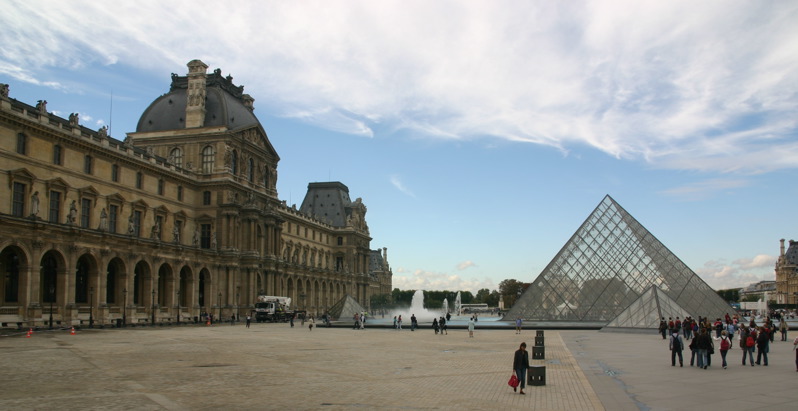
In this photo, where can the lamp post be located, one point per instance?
(153, 307)
(124, 308)
(52, 297)
(238, 289)
(178, 306)
(91, 307)
(220, 306)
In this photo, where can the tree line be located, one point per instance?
(509, 291)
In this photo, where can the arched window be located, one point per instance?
(176, 157)
(9, 261)
(234, 162)
(251, 170)
(207, 160)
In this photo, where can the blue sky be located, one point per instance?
(479, 134)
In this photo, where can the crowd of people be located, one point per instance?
(752, 338)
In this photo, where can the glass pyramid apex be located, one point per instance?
(607, 264)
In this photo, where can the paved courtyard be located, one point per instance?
(272, 366)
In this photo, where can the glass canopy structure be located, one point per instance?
(608, 263)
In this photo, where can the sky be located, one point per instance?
(480, 134)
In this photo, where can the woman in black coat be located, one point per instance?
(520, 365)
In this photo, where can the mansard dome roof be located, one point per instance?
(225, 105)
(792, 253)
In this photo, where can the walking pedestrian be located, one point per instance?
(676, 346)
(518, 325)
(520, 365)
(311, 322)
(249, 319)
(762, 346)
(471, 328)
(725, 346)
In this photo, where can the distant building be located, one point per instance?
(179, 219)
(762, 290)
(787, 274)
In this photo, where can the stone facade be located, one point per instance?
(787, 274)
(180, 219)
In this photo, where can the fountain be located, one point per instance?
(445, 307)
(457, 304)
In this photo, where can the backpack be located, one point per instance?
(724, 344)
(750, 342)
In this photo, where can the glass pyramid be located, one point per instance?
(646, 311)
(345, 309)
(608, 263)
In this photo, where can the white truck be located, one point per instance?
(273, 309)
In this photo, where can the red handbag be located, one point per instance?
(513, 381)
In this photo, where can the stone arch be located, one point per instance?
(165, 281)
(115, 280)
(52, 277)
(141, 274)
(86, 273)
(14, 267)
(204, 289)
(185, 282)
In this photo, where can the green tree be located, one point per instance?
(509, 290)
(482, 296)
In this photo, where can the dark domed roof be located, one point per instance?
(225, 105)
(792, 253)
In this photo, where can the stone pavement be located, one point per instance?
(272, 366)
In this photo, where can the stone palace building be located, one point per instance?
(180, 219)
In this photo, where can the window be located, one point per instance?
(85, 212)
(251, 170)
(176, 157)
(115, 173)
(136, 223)
(55, 206)
(207, 160)
(205, 236)
(179, 193)
(340, 241)
(139, 180)
(10, 261)
(160, 187)
(18, 200)
(113, 216)
(87, 164)
(206, 198)
(234, 162)
(22, 143)
(58, 155)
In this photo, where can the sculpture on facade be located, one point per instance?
(176, 234)
(34, 205)
(72, 217)
(41, 106)
(155, 232)
(103, 220)
(74, 119)
(4, 90)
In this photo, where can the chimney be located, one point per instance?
(782, 247)
(195, 106)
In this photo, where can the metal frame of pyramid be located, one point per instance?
(608, 263)
(646, 312)
(345, 308)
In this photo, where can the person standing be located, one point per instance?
(520, 365)
(702, 343)
(413, 323)
(676, 346)
(518, 325)
(762, 346)
(435, 325)
(795, 348)
(249, 319)
(311, 322)
(783, 329)
(663, 328)
(471, 328)
(444, 328)
(399, 322)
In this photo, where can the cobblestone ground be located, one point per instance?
(272, 366)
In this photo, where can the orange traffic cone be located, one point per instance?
(30, 331)
(73, 331)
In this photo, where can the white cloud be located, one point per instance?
(397, 182)
(466, 264)
(437, 281)
(701, 190)
(681, 85)
(722, 275)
